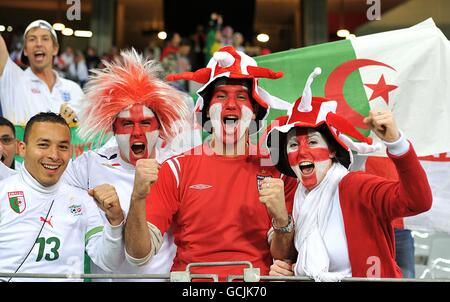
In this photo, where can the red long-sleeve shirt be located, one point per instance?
(370, 203)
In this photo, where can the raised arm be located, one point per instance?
(138, 243)
(281, 236)
(410, 195)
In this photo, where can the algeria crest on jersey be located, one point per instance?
(76, 210)
(17, 201)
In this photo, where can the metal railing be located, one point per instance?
(250, 274)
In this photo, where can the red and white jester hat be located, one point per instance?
(318, 113)
(121, 85)
(230, 63)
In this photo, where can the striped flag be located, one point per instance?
(407, 71)
(437, 218)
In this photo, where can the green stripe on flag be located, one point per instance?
(79, 145)
(297, 64)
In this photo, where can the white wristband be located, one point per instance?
(399, 147)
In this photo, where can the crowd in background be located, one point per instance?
(176, 53)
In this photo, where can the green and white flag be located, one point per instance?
(407, 71)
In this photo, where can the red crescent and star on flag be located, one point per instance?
(334, 88)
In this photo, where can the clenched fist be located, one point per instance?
(272, 196)
(281, 268)
(146, 175)
(107, 200)
(383, 124)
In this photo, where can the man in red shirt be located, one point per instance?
(217, 198)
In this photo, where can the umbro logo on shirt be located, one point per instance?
(200, 187)
(35, 90)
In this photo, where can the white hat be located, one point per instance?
(41, 24)
(229, 63)
(37, 24)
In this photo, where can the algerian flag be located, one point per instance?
(407, 71)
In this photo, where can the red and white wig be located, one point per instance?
(121, 85)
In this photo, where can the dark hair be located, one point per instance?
(185, 42)
(6, 122)
(279, 155)
(43, 117)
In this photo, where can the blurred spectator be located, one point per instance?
(152, 51)
(217, 44)
(92, 59)
(227, 35)
(252, 51)
(213, 35)
(265, 51)
(198, 39)
(38, 88)
(114, 54)
(15, 55)
(78, 71)
(65, 59)
(172, 45)
(111, 56)
(238, 41)
(178, 62)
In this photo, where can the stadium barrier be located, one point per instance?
(250, 274)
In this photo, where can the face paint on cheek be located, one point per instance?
(230, 134)
(245, 121)
(136, 133)
(152, 138)
(215, 115)
(123, 141)
(310, 164)
(309, 181)
(311, 154)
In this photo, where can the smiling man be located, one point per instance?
(46, 226)
(24, 93)
(210, 196)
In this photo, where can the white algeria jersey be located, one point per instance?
(72, 226)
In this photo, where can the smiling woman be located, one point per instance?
(309, 155)
(336, 210)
